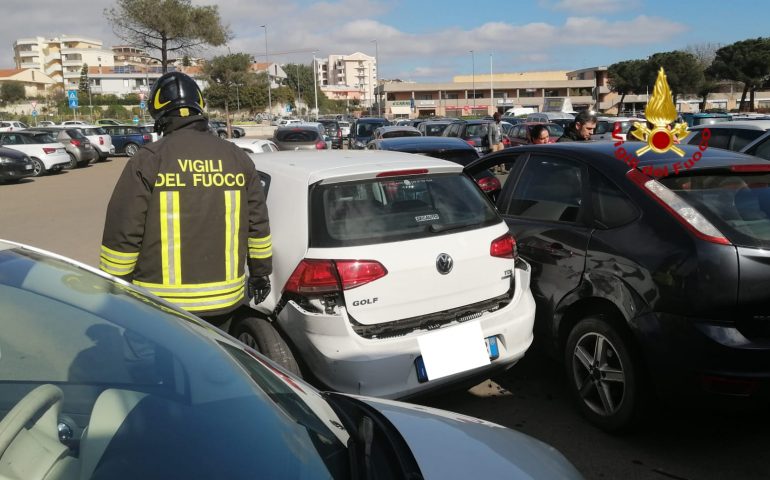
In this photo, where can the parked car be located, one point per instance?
(695, 119)
(220, 129)
(150, 128)
(759, 147)
(472, 131)
(11, 125)
(395, 131)
(300, 136)
(255, 145)
(100, 139)
(107, 121)
(14, 165)
(730, 135)
(521, 134)
(549, 117)
(133, 381)
(433, 128)
(384, 256)
(45, 123)
(283, 122)
(345, 127)
(333, 131)
(128, 139)
(362, 130)
(47, 155)
(644, 286)
(606, 126)
(446, 148)
(73, 123)
(78, 147)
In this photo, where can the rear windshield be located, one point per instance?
(709, 120)
(401, 133)
(737, 204)
(94, 131)
(366, 129)
(435, 130)
(396, 209)
(555, 130)
(75, 133)
(296, 135)
(476, 130)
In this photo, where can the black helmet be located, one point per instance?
(175, 91)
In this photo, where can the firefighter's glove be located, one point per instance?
(259, 288)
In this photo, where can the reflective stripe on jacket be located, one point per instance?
(186, 216)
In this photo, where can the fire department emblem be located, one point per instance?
(661, 113)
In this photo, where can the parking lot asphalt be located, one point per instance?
(64, 213)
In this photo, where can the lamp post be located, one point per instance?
(269, 83)
(377, 76)
(299, 93)
(473, 66)
(491, 85)
(315, 84)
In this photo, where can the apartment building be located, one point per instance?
(356, 72)
(35, 82)
(61, 58)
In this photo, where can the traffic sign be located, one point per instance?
(34, 113)
(72, 94)
(136, 120)
(74, 103)
(34, 104)
(142, 105)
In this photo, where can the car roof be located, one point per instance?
(424, 144)
(398, 128)
(311, 167)
(744, 125)
(371, 120)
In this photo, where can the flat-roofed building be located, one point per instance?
(35, 82)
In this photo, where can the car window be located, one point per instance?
(522, 133)
(366, 129)
(394, 209)
(602, 126)
(75, 133)
(761, 150)
(548, 189)
(434, 129)
(42, 137)
(738, 204)
(611, 207)
(720, 138)
(296, 135)
(476, 130)
(555, 130)
(12, 140)
(741, 138)
(401, 133)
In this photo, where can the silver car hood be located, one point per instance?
(449, 445)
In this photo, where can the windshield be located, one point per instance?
(366, 129)
(394, 209)
(737, 204)
(175, 398)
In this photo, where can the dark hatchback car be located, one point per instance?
(362, 131)
(128, 139)
(333, 131)
(14, 165)
(452, 149)
(644, 285)
(474, 132)
(299, 137)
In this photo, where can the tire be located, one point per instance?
(37, 167)
(262, 336)
(236, 134)
(604, 374)
(131, 149)
(222, 134)
(73, 161)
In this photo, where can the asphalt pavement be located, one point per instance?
(64, 213)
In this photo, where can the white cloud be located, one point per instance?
(594, 7)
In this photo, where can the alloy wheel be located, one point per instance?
(248, 340)
(598, 374)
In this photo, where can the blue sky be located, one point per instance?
(430, 40)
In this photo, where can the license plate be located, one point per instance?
(27, 167)
(453, 350)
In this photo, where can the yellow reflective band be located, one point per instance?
(119, 256)
(115, 270)
(157, 103)
(254, 242)
(193, 293)
(193, 286)
(260, 255)
(209, 302)
(232, 227)
(171, 257)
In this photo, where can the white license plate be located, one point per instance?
(27, 167)
(453, 350)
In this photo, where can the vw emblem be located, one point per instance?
(444, 264)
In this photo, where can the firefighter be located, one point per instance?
(188, 212)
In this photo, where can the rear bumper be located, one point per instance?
(347, 362)
(698, 357)
(54, 159)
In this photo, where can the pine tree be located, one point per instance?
(83, 86)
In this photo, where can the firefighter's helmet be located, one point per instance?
(175, 92)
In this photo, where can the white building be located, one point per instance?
(61, 58)
(127, 79)
(357, 71)
(277, 74)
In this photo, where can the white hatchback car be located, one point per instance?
(252, 145)
(100, 139)
(392, 274)
(46, 153)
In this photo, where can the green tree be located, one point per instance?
(223, 74)
(747, 61)
(704, 53)
(83, 85)
(626, 78)
(683, 73)
(12, 92)
(167, 26)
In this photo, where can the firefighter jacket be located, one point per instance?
(186, 214)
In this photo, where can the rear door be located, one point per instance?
(432, 233)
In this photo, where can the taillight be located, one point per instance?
(147, 137)
(330, 276)
(75, 142)
(684, 213)
(49, 150)
(471, 143)
(339, 133)
(101, 141)
(488, 184)
(320, 145)
(503, 247)
(506, 141)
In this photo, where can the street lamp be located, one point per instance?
(377, 76)
(299, 94)
(473, 63)
(315, 84)
(269, 83)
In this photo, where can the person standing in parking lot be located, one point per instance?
(188, 213)
(580, 129)
(495, 134)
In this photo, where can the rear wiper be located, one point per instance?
(436, 228)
